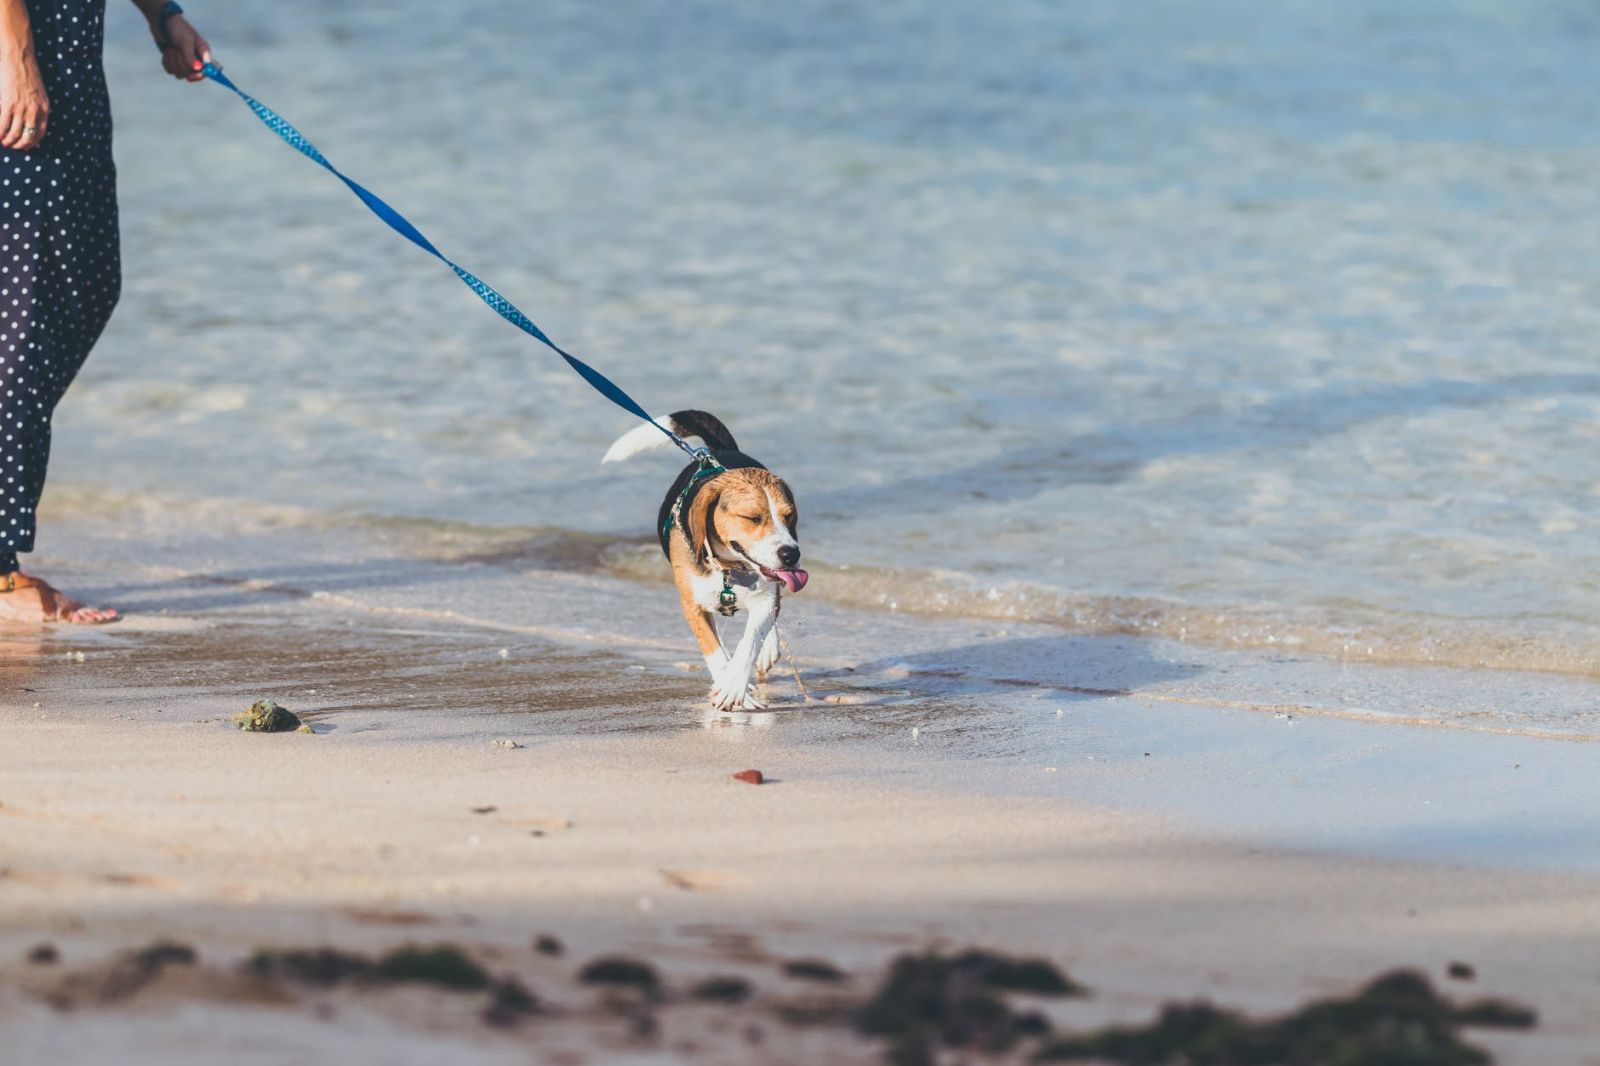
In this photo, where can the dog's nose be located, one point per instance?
(788, 556)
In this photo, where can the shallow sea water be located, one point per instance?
(1257, 328)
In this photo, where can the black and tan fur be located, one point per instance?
(732, 539)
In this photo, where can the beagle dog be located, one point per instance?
(728, 527)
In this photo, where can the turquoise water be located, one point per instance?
(1251, 326)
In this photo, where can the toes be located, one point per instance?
(90, 616)
(729, 700)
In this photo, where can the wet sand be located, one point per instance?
(1125, 808)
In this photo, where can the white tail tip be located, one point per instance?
(639, 439)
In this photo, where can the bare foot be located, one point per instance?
(30, 600)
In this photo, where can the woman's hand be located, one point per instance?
(184, 51)
(24, 105)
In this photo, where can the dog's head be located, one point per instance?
(748, 516)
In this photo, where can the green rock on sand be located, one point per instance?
(265, 716)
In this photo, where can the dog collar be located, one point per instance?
(709, 467)
(727, 599)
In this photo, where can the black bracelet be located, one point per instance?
(168, 9)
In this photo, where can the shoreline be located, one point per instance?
(1350, 634)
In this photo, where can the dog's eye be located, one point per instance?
(748, 517)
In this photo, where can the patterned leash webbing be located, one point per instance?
(399, 223)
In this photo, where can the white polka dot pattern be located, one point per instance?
(60, 265)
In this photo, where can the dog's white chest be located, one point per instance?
(709, 590)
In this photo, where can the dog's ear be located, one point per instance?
(697, 521)
(794, 508)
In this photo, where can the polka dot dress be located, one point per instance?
(60, 267)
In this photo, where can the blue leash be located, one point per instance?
(398, 222)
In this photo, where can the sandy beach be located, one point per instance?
(491, 763)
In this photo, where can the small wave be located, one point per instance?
(1342, 633)
(1339, 632)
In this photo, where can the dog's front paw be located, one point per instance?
(734, 694)
(727, 701)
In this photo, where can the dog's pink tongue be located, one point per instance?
(794, 579)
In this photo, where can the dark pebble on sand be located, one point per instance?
(1461, 971)
(545, 944)
(44, 955)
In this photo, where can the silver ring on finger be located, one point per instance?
(30, 129)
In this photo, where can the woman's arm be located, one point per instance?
(24, 105)
(183, 50)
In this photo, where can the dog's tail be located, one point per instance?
(693, 426)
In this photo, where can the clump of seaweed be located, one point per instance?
(820, 970)
(617, 971)
(1034, 976)
(265, 716)
(442, 964)
(509, 1003)
(1397, 1019)
(135, 969)
(931, 1000)
(324, 967)
(728, 990)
